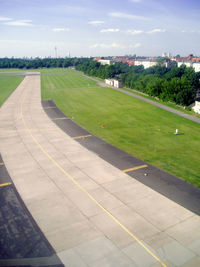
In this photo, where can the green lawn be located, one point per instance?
(7, 86)
(139, 128)
(3, 71)
(165, 103)
(42, 70)
(68, 81)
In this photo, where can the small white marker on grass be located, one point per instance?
(176, 132)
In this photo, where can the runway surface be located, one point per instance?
(91, 213)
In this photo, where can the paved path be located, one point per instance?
(172, 110)
(91, 213)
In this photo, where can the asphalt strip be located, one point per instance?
(21, 241)
(170, 186)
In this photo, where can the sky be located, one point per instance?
(31, 28)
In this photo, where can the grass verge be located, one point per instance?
(7, 86)
(134, 126)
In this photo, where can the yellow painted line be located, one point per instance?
(85, 191)
(1, 163)
(64, 118)
(135, 168)
(5, 184)
(80, 137)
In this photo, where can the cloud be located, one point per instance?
(135, 1)
(122, 15)
(26, 23)
(190, 31)
(60, 29)
(109, 30)
(96, 22)
(156, 31)
(137, 45)
(113, 45)
(4, 19)
(134, 32)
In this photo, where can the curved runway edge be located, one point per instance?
(166, 184)
(21, 241)
(91, 212)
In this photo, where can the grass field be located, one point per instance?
(42, 70)
(168, 104)
(69, 81)
(139, 128)
(10, 71)
(7, 86)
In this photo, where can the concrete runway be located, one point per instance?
(92, 213)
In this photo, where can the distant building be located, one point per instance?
(196, 66)
(170, 64)
(97, 58)
(146, 63)
(113, 82)
(166, 55)
(186, 63)
(106, 61)
(196, 108)
(131, 62)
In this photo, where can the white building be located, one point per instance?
(145, 63)
(196, 108)
(113, 82)
(187, 64)
(106, 61)
(196, 66)
(166, 55)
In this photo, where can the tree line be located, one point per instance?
(94, 68)
(39, 63)
(178, 85)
